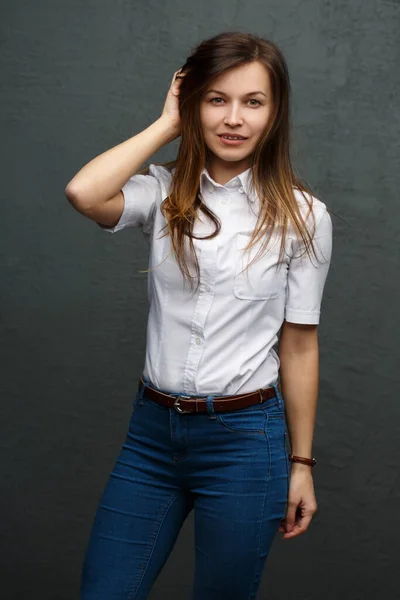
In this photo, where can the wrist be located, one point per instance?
(170, 130)
(300, 468)
(303, 459)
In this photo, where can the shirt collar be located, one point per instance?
(241, 180)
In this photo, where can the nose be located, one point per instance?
(233, 116)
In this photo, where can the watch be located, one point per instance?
(301, 459)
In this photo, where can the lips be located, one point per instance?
(232, 135)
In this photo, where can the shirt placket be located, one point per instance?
(208, 265)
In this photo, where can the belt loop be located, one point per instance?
(142, 390)
(278, 396)
(210, 408)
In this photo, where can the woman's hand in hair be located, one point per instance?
(171, 106)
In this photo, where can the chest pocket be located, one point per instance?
(262, 280)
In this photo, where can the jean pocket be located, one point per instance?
(249, 420)
(275, 412)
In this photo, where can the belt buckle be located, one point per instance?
(178, 408)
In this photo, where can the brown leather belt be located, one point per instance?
(183, 404)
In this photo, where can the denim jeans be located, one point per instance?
(232, 468)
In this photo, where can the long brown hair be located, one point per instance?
(273, 177)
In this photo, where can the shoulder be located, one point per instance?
(305, 201)
(160, 171)
(311, 204)
(162, 174)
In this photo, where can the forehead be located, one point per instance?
(242, 79)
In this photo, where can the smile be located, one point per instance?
(232, 140)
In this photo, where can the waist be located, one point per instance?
(187, 403)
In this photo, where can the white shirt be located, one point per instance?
(221, 340)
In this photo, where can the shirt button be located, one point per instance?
(198, 341)
(207, 288)
(211, 190)
(241, 190)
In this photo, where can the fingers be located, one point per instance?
(298, 528)
(291, 515)
(291, 528)
(176, 75)
(176, 84)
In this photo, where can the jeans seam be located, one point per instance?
(265, 494)
(147, 558)
(286, 460)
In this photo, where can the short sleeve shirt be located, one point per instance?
(221, 339)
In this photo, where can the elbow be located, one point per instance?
(70, 192)
(73, 196)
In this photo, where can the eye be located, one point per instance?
(251, 100)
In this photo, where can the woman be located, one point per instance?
(216, 402)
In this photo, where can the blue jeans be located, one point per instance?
(232, 468)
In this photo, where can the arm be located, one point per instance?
(299, 369)
(298, 354)
(102, 178)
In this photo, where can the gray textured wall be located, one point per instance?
(79, 78)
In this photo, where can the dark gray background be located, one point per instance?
(81, 77)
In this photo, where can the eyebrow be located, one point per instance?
(249, 93)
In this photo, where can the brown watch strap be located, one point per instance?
(301, 459)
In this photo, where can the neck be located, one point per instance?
(223, 171)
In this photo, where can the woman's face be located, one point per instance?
(233, 109)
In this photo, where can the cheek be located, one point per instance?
(203, 113)
(262, 121)
(208, 118)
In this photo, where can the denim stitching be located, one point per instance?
(268, 444)
(240, 431)
(286, 462)
(146, 559)
(251, 597)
